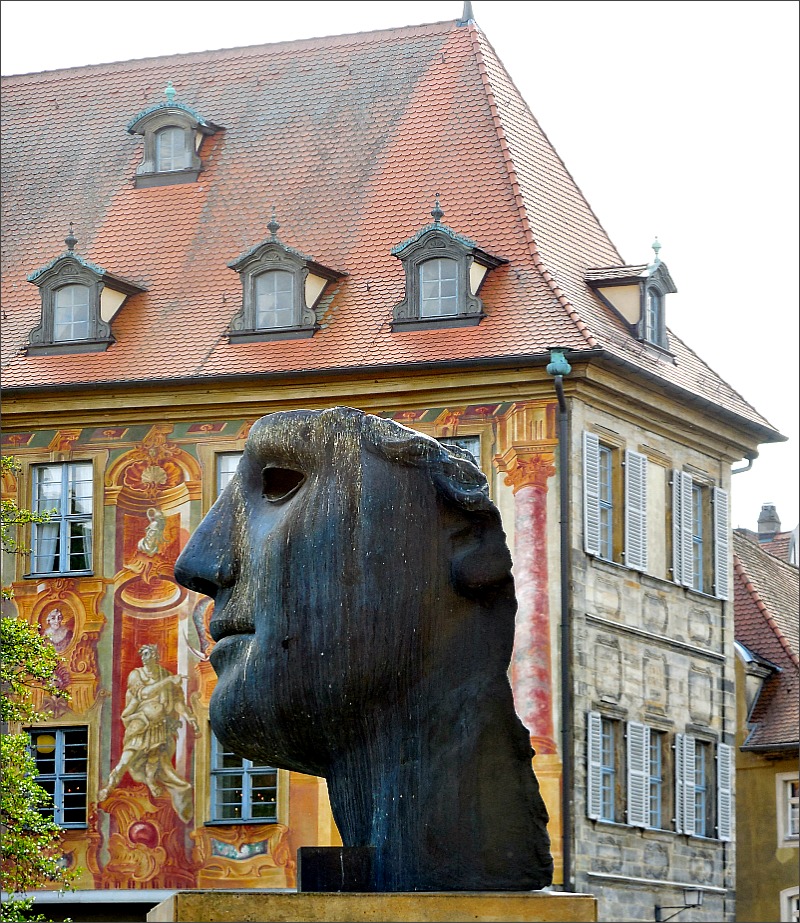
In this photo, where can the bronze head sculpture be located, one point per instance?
(364, 620)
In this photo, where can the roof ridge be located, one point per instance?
(260, 48)
(546, 275)
(763, 609)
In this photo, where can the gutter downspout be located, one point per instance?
(558, 367)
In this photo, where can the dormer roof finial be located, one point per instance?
(273, 225)
(170, 92)
(436, 213)
(70, 240)
(467, 15)
(656, 247)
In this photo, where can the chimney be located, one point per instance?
(768, 522)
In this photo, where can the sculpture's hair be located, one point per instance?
(457, 478)
(150, 649)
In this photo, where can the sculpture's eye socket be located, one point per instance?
(281, 483)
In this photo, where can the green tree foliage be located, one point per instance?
(30, 854)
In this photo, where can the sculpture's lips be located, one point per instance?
(227, 642)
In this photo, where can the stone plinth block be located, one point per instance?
(250, 906)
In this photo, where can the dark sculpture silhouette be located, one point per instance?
(364, 621)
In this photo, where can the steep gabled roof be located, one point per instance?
(349, 138)
(766, 593)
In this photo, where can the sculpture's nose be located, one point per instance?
(207, 564)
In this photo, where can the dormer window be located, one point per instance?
(653, 314)
(438, 288)
(637, 295)
(171, 152)
(173, 133)
(79, 300)
(281, 288)
(71, 312)
(444, 272)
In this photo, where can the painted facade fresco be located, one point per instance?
(135, 647)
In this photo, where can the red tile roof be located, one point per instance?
(349, 138)
(766, 594)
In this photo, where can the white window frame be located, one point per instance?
(222, 473)
(60, 780)
(787, 809)
(790, 905)
(683, 571)
(245, 774)
(634, 505)
(63, 520)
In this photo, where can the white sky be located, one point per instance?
(677, 118)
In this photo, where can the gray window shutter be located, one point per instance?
(591, 493)
(684, 784)
(635, 510)
(680, 794)
(682, 558)
(688, 784)
(594, 765)
(724, 793)
(721, 543)
(638, 774)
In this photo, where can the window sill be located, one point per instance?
(241, 823)
(55, 574)
(170, 178)
(267, 336)
(64, 349)
(436, 323)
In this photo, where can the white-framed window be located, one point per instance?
(787, 797)
(171, 149)
(703, 793)
(71, 313)
(614, 503)
(63, 544)
(790, 905)
(61, 756)
(241, 791)
(700, 535)
(227, 463)
(274, 299)
(438, 287)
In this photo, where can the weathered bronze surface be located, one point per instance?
(364, 620)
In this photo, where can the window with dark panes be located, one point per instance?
(61, 756)
(62, 544)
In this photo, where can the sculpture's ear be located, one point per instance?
(481, 560)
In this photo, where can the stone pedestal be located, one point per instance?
(233, 906)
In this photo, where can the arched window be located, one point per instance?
(71, 316)
(438, 283)
(171, 149)
(274, 299)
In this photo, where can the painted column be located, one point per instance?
(527, 472)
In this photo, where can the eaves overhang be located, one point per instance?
(761, 433)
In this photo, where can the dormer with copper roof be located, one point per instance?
(280, 289)
(79, 301)
(444, 272)
(173, 133)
